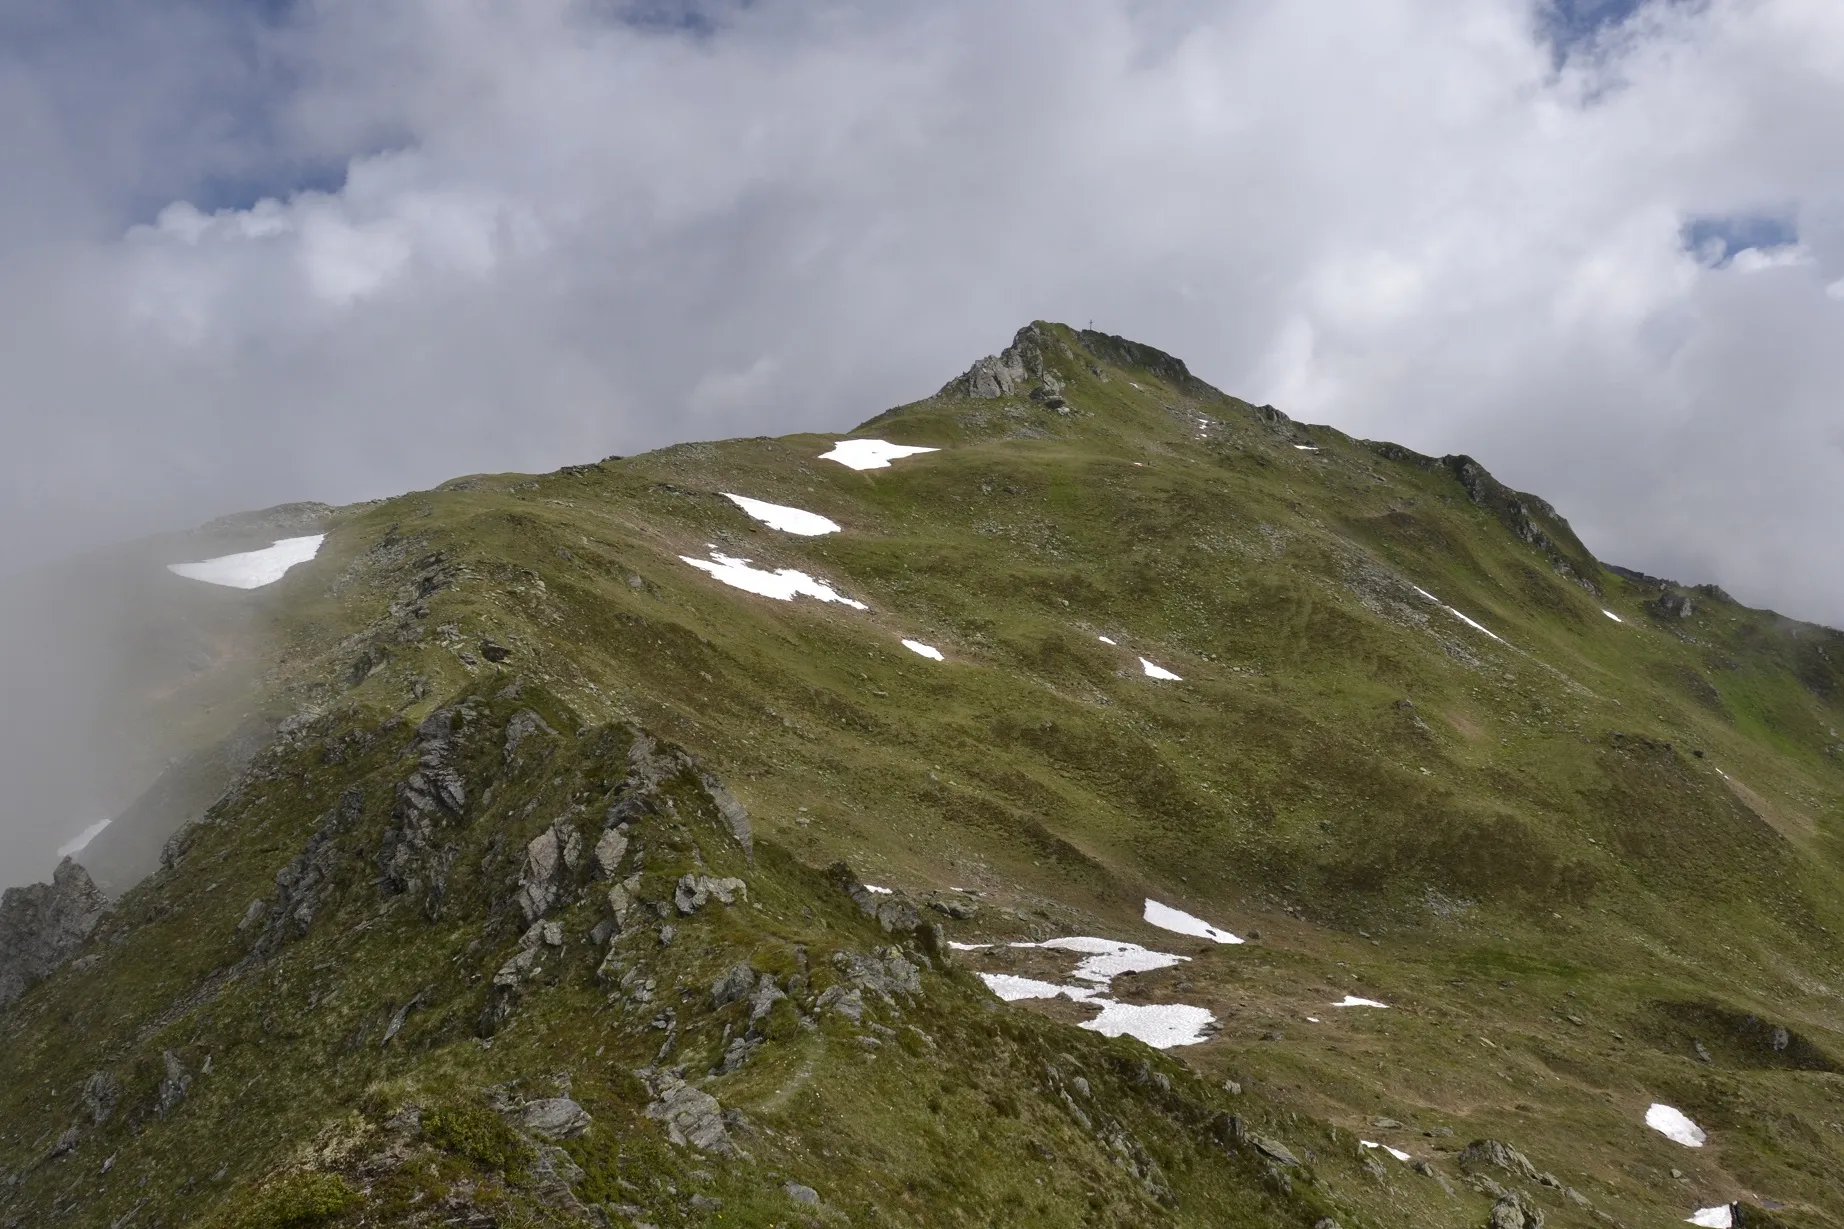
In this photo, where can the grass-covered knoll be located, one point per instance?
(1591, 864)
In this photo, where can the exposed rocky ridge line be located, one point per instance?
(1529, 517)
(42, 924)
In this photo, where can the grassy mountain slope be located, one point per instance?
(1591, 862)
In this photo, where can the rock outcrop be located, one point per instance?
(41, 924)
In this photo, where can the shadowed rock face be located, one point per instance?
(42, 923)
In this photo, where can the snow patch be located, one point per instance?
(1351, 1000)
(788, 520)
(1306, 448)
(252, 569)
(1104, 640)
(78, 843)
(1671, 1122)
(1105, 959)
(783, 585)
(871, 887)
(1479, 627)
(1159, 1025)
(1714, 1218)
(1158, 672)
(927, 650)
(1181, 923)
(1012, 988)
(1398, 1153)
(968, 947)
(871, 454)
(1610, 614)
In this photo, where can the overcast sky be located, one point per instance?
(333, 249)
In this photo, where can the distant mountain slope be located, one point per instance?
(631, 853)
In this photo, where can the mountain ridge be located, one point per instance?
(1407, 756)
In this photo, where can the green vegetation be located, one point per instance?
(1590, 865)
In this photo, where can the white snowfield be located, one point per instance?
(1672, 1123)
(1158, 672)
(1478, 627)
(1160, 1025)
(784, 585)
(881, 891)
(871, 454)
(1104, 640)
(927, 650)
(78, 843)
(1105, 959)
(1351, 1000)
(788, 520)
(252, 569)
(1181, 923)
(1714, 1218)
(1610, 614)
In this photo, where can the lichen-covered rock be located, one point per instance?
(690, 1117)
(693, 892)
(550, 857)
(555, 1118)
(1482, 1152)
(886, 972)
(608, 852)
(735, 984)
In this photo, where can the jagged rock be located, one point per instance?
(66, 1143)
(520, 969)
(303, 886)
(1491, 1152)
(431, 796)
(608, 852)
(41, 924)
(886, 972)
(1273, 1149)
(549, 858)
(1513, 1211)
(689, 1116)
(174, 1086)
(399, 1017)
(650, 765)
(802, 1194)
(695, 891)
(766, 996)
(620, 901)
(522, 726)
(555, 1118)
(959, 910)
(100, 1093)
(735, 984)
(253, 914)
(1671, 604)
(848, 1002)
(1429, 1171)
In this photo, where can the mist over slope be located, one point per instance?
(751, 829)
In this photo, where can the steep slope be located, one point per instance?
(466, 942)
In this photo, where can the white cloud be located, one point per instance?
(579, 233)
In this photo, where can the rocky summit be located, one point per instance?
(1079, 797)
